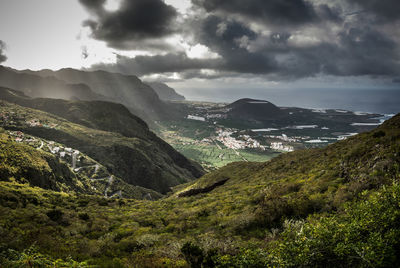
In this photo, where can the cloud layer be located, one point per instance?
(278, 39)
(134, 22)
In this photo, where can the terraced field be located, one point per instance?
(195, 140)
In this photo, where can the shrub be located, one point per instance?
(55, 215)
(379, 134)
(194, 255)
(84, 216)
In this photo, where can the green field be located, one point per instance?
(186, 137)
(211, 157)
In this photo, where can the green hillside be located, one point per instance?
(136, 155)
(21, 162)
(337, 206)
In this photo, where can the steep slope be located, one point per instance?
(165, 92)
(293, 211)
(131, 152)
(335, 174)
(95, 114)
(24, 163)
(140, 98)
(49, 87)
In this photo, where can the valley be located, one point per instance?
(245, 184)
(138, 157)
(200, 134)
(213, 135)
(256, 214)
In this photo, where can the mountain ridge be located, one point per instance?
(131, 152)
(128, 90)
(165, 92)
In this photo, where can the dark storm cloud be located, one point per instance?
(132, 23)
(275, 12)
(365, 51)
(230, 40)
(279, 40)
(271, 11)
(227, 38)
(93, 4)
(2, 56)
(358, 51)
(386, 10)
(143, 65)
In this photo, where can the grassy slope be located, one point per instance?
(253, 209)
(134, 153)
(23, 164)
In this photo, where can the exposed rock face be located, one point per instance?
(165, 92)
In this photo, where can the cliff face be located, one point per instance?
(45, 87)
(165, 92)
(128, 90)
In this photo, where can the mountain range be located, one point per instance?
(316, 207)
(70, 84)
(84, 182)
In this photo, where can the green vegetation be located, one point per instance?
(133, 153)
(337, 206)
(213, 157)
(186, 136)
(21, 163)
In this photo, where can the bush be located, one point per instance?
(366, 234)
(55, 215)
(194, 255)
(84, 216)
(379, 134)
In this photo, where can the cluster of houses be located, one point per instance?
(206, 116)
(279, 146)
(284, 137)
(60, 151)
(217, 116)
(21, 137)
(11, 118)
(37, 123)
(245, 141)
(64, 152)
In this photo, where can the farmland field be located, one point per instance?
(196, 140)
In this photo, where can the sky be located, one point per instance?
(211, 48)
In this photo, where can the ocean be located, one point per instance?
(383, 101)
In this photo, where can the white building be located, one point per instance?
(197, 118)
(280, 147)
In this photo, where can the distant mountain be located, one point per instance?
(128, 90)
(111, 135)
(165, 92)
(251, 109)
(261, 113)
(49, 87)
